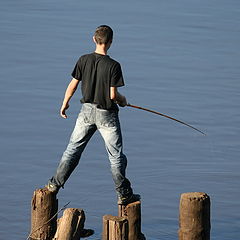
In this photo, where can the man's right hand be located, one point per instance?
(63, 110)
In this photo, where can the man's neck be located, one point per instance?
(101, 49)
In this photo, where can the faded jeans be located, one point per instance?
(107, 123)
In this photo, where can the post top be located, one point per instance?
(194, 196)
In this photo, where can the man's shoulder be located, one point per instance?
(112, 61)
(86, 56)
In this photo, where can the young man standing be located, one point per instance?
(100, 77)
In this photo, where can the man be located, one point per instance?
(100, 77)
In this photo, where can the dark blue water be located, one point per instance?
(181, 58)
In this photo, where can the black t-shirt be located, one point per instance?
(97, 74)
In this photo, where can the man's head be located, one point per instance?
(103, 35)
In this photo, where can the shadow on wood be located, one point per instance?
(115, 228)
(70, 225)
(132, 212)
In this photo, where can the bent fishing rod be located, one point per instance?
(166, 116)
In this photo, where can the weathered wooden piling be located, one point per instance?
(114, 228)
(132, 212)
(70, 225)
(44, 207)
(194, 216)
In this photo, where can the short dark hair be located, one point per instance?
(103, 34)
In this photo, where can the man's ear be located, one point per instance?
(109, 44)
(94, 39)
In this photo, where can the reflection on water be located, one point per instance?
(179, 58)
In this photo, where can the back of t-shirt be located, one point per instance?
(98, 73)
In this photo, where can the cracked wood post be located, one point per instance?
(194, 216)
(115, 228)
(132, 212)
(70, 225)
(44, 206)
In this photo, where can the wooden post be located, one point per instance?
(70, 225)
(115, 228)
(194, 216)
(132, 212)
(44, 206)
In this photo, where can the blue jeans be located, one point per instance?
(107, 123)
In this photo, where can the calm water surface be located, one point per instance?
(181, 58)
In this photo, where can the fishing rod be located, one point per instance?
(164, 115)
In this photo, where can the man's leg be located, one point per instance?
(81, 134)
(109, 127)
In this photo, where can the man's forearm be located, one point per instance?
(68, 95)
(70, 91)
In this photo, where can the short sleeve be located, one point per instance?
(117, 77)
(77, 73)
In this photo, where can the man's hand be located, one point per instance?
(122, 102)
(63, 110)
(117, 97)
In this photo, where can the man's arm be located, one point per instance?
(68, 94)
(117, 97)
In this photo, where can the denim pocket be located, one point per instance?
(108, 118)
(86, 114)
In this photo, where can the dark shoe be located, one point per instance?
(86, 233)
(127, 200)
(52, 187)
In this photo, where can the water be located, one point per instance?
(181, 58)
